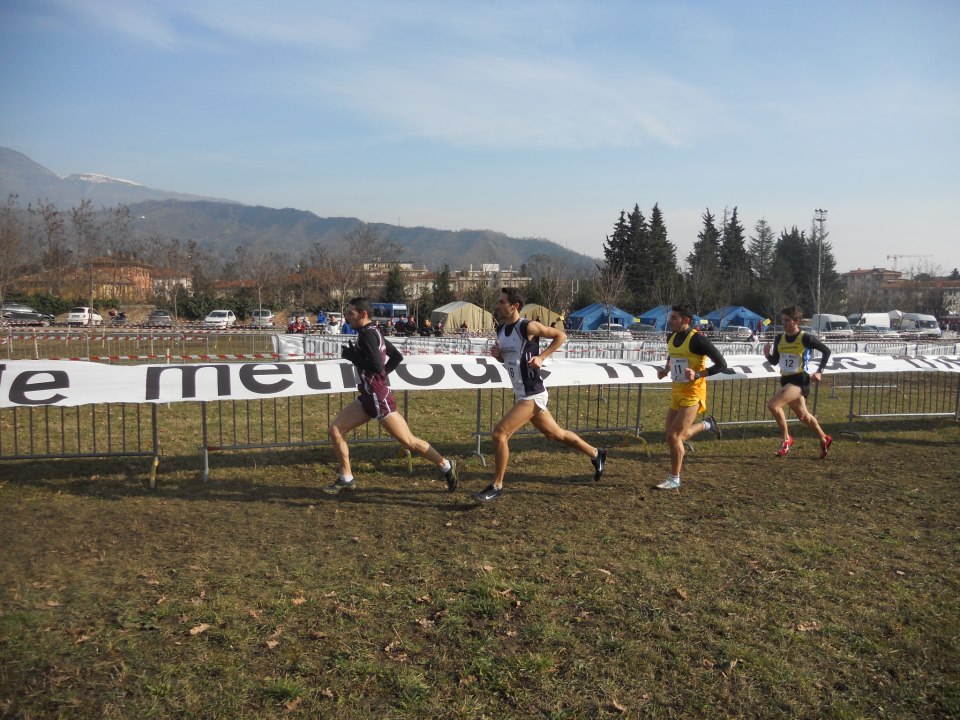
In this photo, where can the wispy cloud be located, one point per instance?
(464, 74)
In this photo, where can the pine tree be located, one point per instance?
(734, 261)
(442, 292)
(616, 249)
(662, 267)
(703, 277)
(394, 291)
(760, 252)
(637, 268)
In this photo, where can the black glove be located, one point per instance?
(349, 352)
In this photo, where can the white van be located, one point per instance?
(831, 325)
(873, 318)
(920, 324)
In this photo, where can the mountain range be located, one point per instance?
(220, 226)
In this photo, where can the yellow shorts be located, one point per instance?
(678, 401)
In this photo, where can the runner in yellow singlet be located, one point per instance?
(790, 350)
(687, 351)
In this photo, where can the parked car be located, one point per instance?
(262, 318)
(84, 317)
(159, 319)
(639, 328)
(610, 329)
(737, 332)
(873, 332)
(20, 314)
(220, 319)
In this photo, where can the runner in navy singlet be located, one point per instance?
(518, 347)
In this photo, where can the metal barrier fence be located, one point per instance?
(87, 431)
(141, 345)
(275, 423)
(133, 430)
(888, 395)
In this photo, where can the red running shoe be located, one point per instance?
(785, 447)
(824, 446)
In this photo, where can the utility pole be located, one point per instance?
(819, 216)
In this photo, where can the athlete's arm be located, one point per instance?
(814, 343)
(701, 346)
(771, 353)
(556, 336)
(394, 356)
(368, 355)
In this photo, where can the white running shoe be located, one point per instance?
(669, 484)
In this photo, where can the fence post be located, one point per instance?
(956, 412)
(483, 461)
(156, 446)
(853, 392)
(204, 453)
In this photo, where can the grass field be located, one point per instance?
(765, 588)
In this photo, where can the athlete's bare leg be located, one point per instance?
(349, 418)
(514, 419)
(548, 426)
(680, 427)
(396, 425)
(786, 395)
(799, 407)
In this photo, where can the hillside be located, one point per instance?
(220, 226)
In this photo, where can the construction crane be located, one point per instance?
(897, 257)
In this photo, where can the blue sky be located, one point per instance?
(537, 119)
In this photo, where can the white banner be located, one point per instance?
(30, 383)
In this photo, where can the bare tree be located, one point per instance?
(549, 281)
(86, 235)
(11, 243)
(345, 263)
(700, 285)
(612, 287)
(482, 294)
(117, 237)
(264, 269)
(56, 257)
(172, 258)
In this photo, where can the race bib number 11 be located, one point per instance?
(678, 369)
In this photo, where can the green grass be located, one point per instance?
(765, 588)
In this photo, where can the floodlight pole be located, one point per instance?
(819, 216)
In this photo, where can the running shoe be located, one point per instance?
(824, 446)
(714, 427)
(785, 447)
(339, 485)
(669, 484)
(599, 463)
(488, 493)
(452, 476)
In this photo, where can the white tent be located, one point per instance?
(454, 314)
(541, 314)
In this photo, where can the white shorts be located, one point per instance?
(540, 399)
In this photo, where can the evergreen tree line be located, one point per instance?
(763, 272)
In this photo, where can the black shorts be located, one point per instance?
(801, 380)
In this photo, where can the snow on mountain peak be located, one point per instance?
(101, 179)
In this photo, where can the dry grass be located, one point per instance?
(765, 588)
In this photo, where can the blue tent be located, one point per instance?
(734, 315)
(658, 317)
(590, 317)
